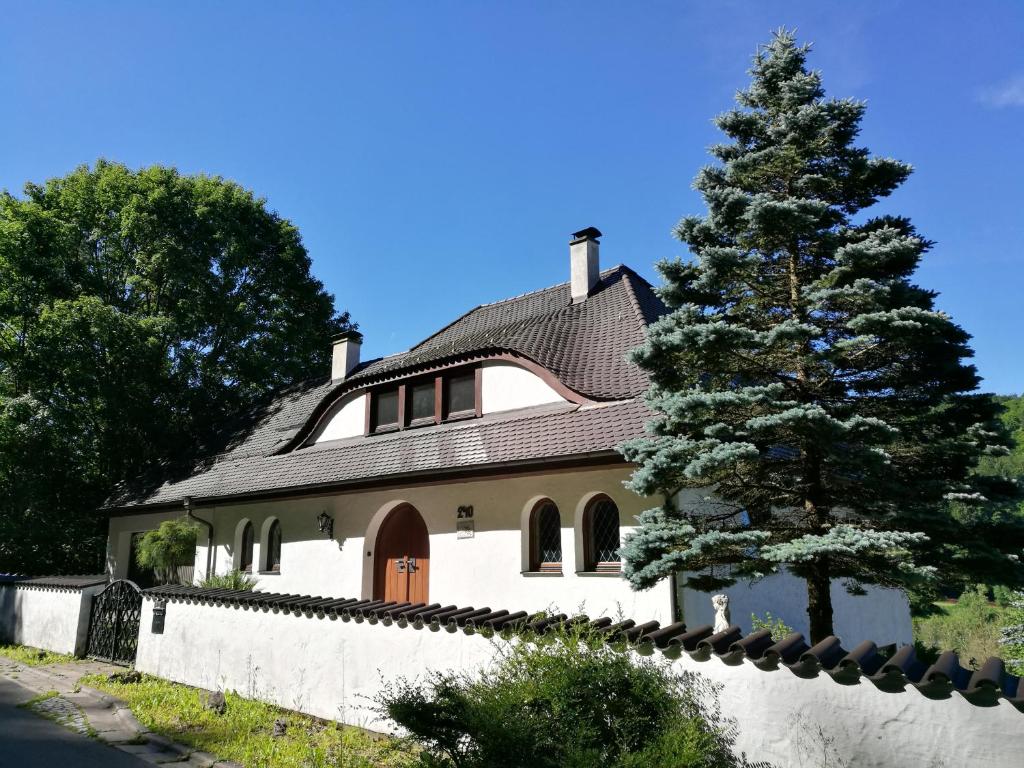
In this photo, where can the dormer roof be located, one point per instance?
(583, 345)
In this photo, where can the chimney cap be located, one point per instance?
(350, 335)
(590, 233)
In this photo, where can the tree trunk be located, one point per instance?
(819, 602)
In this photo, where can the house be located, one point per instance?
(477, 468)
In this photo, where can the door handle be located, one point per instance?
(400, 565)
(412, 565)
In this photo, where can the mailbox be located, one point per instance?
(159, 612)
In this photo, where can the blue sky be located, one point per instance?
(437, 155)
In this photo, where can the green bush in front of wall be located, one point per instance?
(774, 624)
(169, 547)
(236, 580)
(564, 701)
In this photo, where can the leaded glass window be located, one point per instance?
(546, 533)
(603, 535)
(245, 556)
(274, 547)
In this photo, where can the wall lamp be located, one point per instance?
(326, 524)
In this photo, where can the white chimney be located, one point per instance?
(585, 267)
(345, 354)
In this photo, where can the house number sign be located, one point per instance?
(464, 526)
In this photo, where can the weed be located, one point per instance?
(33, 657)
(244, 733)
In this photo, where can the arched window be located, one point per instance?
(273, 558)
(601, 535)
(245, 553)
(545, 538)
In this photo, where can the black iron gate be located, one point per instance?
(114, 623)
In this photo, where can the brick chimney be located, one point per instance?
(345, 354)
(584, 265)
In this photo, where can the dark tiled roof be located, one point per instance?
(983, 687)
(52, 582)
(532, 435)
(584, 345)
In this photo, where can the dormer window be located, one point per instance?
(422, 403)
(384, 410)
(419, 402)
(460, 396)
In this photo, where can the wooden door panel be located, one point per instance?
(402, 540)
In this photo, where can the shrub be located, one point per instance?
(779, 629)
(237, 580)
(167, 548)
(1004, 596)
(970, 626)
(568, 701)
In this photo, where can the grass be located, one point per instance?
(969, 626)
(244, 732)
(33, 657)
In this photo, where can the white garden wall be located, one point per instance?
(52, 618)
(333, 668)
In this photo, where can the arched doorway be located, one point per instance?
(402, 557)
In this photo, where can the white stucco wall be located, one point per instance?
(333, 669)
(348, 419)
(54, 620)
(506, 386)
(485, 570)
(882, 615)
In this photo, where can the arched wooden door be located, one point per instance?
(402, 557)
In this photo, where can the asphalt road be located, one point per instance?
(30, 741)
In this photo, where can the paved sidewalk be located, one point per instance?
(102, 716)
(30, 741)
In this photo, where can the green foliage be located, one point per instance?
(244, 733)
(1011, 634)
(774, 624)
(804, 377)
(563, 701)
(1012, 463)
(33, 657)
(237, 580)
(1004, 597)
(970, 626)
(140, 313)
(171, 545)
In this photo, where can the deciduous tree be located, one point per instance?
(141, 313)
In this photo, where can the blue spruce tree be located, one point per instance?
(801, 376)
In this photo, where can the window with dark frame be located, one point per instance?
(601, 536)
(274, 547)
(545, 538)
(423, 402)
(385, 409)
(248, 543)
(460, 395)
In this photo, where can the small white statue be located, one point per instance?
(721, 606)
